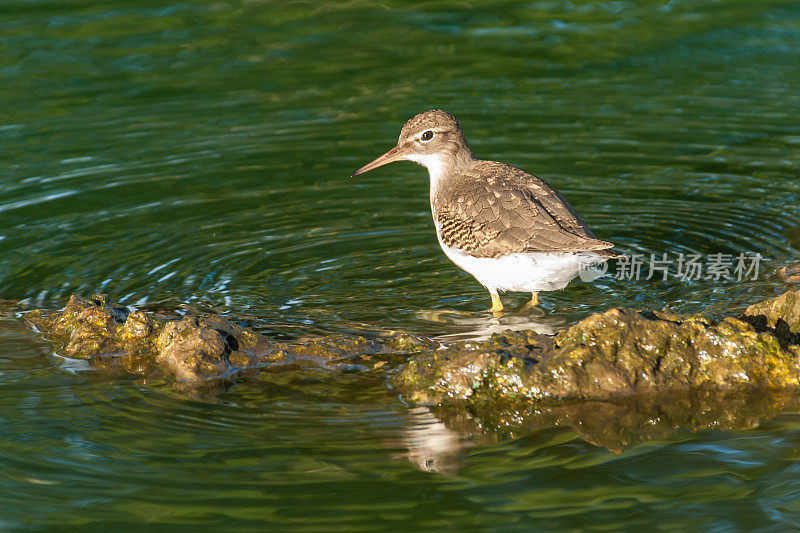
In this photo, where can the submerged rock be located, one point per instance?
(620, 352)
(192, 348)
(199, 348)
(616, 378)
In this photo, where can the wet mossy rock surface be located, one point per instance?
(616, 378)
(191, 348)
(620, 352)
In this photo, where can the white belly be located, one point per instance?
(523, 272)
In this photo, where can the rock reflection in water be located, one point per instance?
(618, 424)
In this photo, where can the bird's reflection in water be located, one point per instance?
(480, 326)
(432, 446)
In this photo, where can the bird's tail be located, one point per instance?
(607, 253)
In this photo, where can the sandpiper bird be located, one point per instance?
(508, 228)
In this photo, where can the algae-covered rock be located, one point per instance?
(191, 348)
(616, 378)
(620, 352)
(617, 353)
(212, 347)
(85, 327)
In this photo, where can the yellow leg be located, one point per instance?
(497, 305)
(533, 303)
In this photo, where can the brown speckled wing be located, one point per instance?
(494, 209)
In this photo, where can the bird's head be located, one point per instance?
(433, 139)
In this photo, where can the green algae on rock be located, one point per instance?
(620, 352)
(85, 329)
(210, 347)
(616, 378)
(192, 348)
(108, 334)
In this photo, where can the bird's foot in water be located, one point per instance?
(497, 305)
(534, 302)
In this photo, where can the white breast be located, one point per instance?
(522, 272)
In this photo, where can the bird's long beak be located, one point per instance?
(392, 155)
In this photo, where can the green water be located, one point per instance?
(195, 155)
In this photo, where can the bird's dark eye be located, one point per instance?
(427, 136)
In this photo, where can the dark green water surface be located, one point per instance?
(196, 155)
